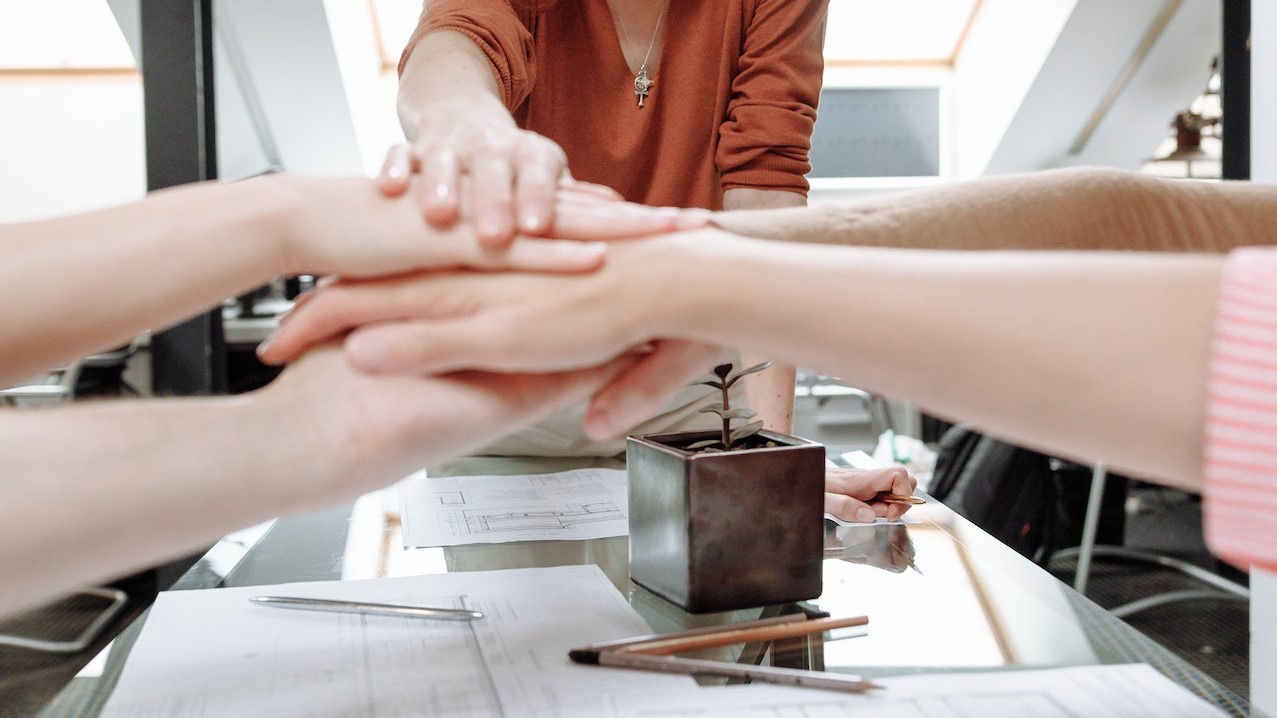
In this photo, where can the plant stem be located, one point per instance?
(727, 423)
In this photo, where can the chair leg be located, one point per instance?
(1090, 526)
(117, 600)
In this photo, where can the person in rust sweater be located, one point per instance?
(690, 104)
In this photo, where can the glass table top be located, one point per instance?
(941, 594)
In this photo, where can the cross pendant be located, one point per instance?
(642, 85)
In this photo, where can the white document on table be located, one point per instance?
(568, 505)
(1120, 691)
(213, 654)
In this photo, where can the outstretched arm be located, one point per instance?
(1081, 208)
(771, 392)
(153, 480)
(1069, 351)
(90, 281)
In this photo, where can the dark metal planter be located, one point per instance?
(722, 531)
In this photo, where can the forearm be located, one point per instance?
(1086, 208)
(83, 283)
(771, 392)
(1061, 350)
(144, 483)
(446, 68)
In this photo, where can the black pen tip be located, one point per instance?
(584, 655)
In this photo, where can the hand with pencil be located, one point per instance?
(862, 495)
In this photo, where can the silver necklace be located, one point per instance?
(642, 82)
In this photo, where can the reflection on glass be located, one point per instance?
(884, 547)
(940, 604)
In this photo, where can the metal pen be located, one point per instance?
(764, 674)
(381, 609)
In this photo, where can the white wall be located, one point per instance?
(1263, 168)
(69, 145)
(1004, 51)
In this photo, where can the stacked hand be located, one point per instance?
(548, 316)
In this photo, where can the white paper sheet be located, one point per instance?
(569, 505)
(1125, 691)
(208, 654)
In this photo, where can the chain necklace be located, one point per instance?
(642, 82)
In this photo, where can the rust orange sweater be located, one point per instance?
(733, 105)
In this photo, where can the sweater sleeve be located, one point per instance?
(496, 28)
(1240, 496)
(765, 139)
(1091, 208)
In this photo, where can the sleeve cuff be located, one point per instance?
(1240, 490)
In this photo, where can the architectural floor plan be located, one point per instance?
(570, 505)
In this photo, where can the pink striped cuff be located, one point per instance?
(1240, 496)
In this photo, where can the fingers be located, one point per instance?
(543, 255)
(641, 391)
(439, 196)
(419, 347)
(572, 187)
(540, 165)
(491, 185)
(336, 309)
(395, 171)
(848, 508)
(863, 485)
(577, 219)
(333, 311)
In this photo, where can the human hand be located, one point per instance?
(435, 322)
(584, 199)
(514, 173)
(396, 323)
(346, 227)
(850, 493)
(363, 431)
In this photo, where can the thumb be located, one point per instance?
(848, 508)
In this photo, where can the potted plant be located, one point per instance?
(726, 519)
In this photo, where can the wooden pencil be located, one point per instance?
(885, 497)
(752, 634)
(692, 632)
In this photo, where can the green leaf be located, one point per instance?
(752, 370)
(716, 408)
(714, 384)
(722, 370)
(702, 444)
(746, 431)
(739, 413)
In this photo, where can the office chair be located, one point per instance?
(1088, 550)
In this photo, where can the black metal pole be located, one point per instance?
(181, 147)
(1235, 89)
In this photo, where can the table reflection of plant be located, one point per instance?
(887, 547)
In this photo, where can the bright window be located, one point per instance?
(396, 19)
(61, 35)
(897, 31)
